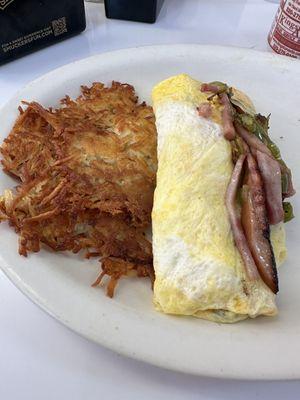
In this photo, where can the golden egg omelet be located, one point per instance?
(199, 270)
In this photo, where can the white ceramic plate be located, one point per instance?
(264, 348)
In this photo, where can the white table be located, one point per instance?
(41, 359)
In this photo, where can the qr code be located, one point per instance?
(59, 26)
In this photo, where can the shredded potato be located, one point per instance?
(86, 176)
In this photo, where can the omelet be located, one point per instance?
(199, 270)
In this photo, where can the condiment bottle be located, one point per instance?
(284, 37)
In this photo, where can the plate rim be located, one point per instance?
(267, 55)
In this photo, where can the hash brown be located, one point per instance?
(86, 176)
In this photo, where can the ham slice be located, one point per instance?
(271, 176)
(252, 141)
(235, 221)
(208, 87)
(205, 110)
(256, 226)
(227, 119)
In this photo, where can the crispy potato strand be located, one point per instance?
(86, 173)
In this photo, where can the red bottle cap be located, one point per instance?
(284, 36)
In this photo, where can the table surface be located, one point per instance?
(40, 358)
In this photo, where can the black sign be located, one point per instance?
(27, 25)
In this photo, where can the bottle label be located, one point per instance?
(284, 36)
